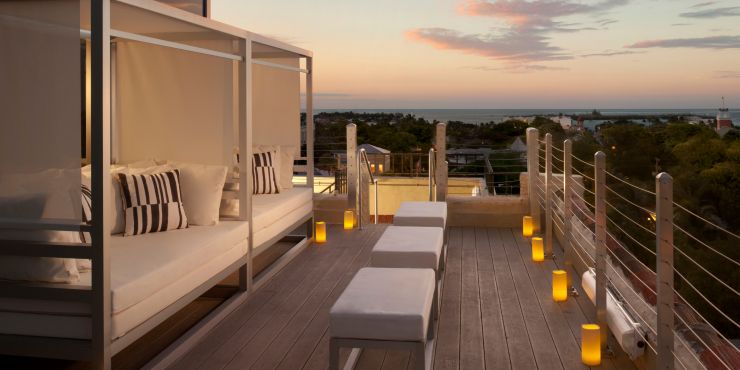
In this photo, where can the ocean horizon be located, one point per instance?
(488, 115)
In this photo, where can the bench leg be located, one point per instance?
(420, 358)
(333, 354)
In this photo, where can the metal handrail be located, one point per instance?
(362, 155)
(432, 173)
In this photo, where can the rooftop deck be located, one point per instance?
(496, 311)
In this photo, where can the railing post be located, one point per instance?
(533, 173)
(548, 195)
(432, 174)
(352, 168)
(567, 204)
(664, 269)
(440, 144)
(600, 202)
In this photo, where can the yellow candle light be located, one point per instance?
(527, 226)
(372, 167)
(380, 168)
(538, 249)
(320, 232)
(560, 286)
(349, 219)
(591, 344)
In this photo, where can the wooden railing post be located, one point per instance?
(352, 167)
(567, 204)
(533, 173)
(548, 196)
(600, 205)
(664, 269)
(440, 144)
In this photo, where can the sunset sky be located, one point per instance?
(508, 54)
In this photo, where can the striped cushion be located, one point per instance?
(264, 178)
(153, 202)
(86, 198)
(264, 181)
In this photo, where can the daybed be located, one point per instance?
(148, 273)
(163, 84)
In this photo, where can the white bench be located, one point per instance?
(410, 247)
(421, 214)
(388, 308)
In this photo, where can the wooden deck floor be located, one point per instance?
(496, 311)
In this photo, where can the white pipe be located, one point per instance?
(86, 34)
(627, 332)
(279, 66)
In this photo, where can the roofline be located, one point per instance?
(209, 23)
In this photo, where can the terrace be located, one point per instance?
(263, 298)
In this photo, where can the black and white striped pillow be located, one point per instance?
(86, 198)
(264, 179)
(153, 202)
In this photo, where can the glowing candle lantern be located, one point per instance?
(380, 168)
(527, 226)
(320, 232)
(538, 249)
(349, 219)
(560, 286)
(591, 344)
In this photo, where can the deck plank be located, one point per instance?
(495, 352)
(311, 350)
(471, 328)
(540, 274)
(539, 334)
(517, 340)
(320, 297)
(496, 313)
(288, 319)
(447, 353)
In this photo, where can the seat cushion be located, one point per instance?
(409, 247)
(421, 214)
(384, 304)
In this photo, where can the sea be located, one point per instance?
(497, 115)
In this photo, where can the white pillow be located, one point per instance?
(202, 187)
(35, 206)
(287, 157)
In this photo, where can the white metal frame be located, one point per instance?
(100, 348)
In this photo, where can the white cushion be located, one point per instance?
(48, 194)
(384, 304)
(409, 247)
(421, 214)
(202, 187)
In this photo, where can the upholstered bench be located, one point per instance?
(421, 214)
(388, 308)
(410, 247)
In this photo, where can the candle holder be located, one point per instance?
(527, 226)
(538, 249)
(320, 232)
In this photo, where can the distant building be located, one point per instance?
(379, 158)
(565, 121)
(723, 118)
(518, 145)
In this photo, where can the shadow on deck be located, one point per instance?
(496, 311)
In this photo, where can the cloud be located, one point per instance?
(526, 39)
(681, 24)
(732, 11)
(726, 74)
(701, 5)
(711, 42)
(521, 68)
(610, 53)
(511, 45)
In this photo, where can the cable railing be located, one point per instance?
(696, 340)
